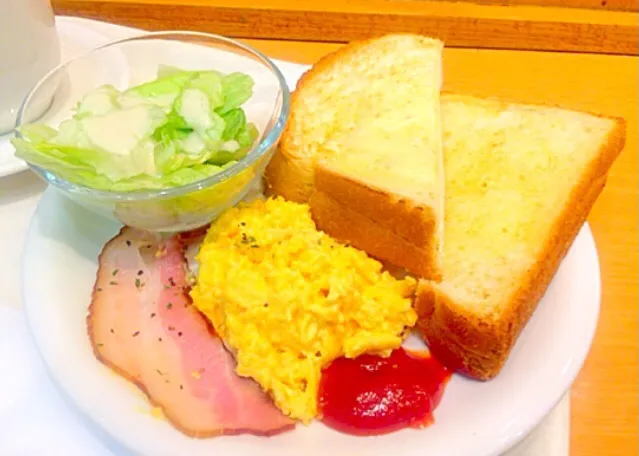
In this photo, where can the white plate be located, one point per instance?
(477, 419)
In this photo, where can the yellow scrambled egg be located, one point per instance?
(287, 299)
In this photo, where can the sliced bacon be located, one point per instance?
(143, 326)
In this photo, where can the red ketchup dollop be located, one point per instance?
(371, 395)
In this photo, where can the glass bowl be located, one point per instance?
(126, 62)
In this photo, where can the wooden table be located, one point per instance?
(605, 396)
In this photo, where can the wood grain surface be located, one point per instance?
(612, 5)
(459, 24)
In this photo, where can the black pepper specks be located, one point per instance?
(128, 243)
(140, 272)
(249, 240)
(135, 334)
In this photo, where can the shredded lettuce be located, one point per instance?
(177, 129)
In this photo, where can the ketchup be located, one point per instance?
(371, 395)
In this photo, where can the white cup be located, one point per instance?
(29, 48)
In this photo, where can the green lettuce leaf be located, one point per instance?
(238, 88)
(179, 128)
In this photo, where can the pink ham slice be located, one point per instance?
(143, 326)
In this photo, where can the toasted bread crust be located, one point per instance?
(349, 226)
(288, 178)
(414, 223)
(478, 347)
(295, 176)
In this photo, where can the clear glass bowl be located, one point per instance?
(134, 60)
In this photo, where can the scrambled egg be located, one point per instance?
(287, 299)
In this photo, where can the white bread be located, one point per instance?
(364, 143)
(520, 182)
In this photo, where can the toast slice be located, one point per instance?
(520, 181)
(364, 144)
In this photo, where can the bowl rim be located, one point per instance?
(269, 137)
